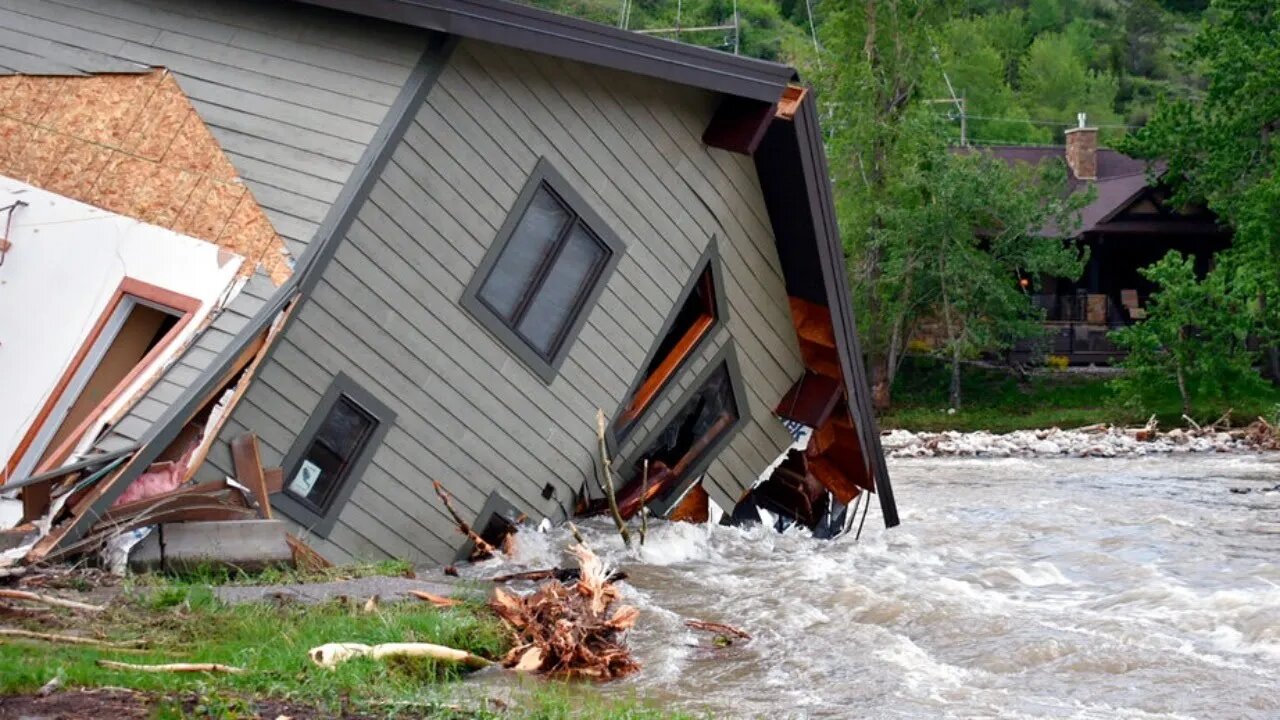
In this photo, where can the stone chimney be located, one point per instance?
(1082, 150)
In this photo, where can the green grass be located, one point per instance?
(1000, 401)
(213, 574)
(184, 623)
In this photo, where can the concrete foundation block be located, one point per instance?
(241, 544)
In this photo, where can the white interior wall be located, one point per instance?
(66, 261)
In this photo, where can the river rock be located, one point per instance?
(1094, 441)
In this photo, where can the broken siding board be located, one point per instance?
(248, 105)
(377, 91)
(56, 52)
(300, 183)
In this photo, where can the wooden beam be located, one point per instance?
(739, 125)
(248, 465)
(790, 102)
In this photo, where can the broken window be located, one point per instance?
(331, 452)
(678, 454)
(544, 269)
(693, 322)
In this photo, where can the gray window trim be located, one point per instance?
(546, 369)
(727, 356)
(384, 417)
(710, 259)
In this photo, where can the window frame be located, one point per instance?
(322, 522)
(545, 367)
(728, 357)
(708, 263)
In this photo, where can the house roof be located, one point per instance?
(813, 245)
(1120, 178)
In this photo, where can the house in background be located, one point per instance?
(505, 221)
(1129, 225)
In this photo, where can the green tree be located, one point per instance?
(1224, 149)
(928, 232)
(1056, 83)
(980, 224)
(1193, 339)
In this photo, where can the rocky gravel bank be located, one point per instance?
(1085, 442)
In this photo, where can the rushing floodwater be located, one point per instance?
(1013, 589)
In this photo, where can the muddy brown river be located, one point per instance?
(1014, 589)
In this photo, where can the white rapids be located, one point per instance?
(1015, 588)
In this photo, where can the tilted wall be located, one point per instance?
(469, 414)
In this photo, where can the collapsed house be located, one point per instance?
(333, 251)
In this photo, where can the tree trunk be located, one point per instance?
(881, 383)
(1182, 377)
(955, 376)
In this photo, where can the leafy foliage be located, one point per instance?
(1195, 338)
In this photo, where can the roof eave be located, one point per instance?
(536, 30)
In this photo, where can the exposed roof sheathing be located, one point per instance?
(133, 144)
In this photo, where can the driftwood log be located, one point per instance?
(172, 667)
(332, 654)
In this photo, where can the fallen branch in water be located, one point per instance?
(610, 493)
(438, 600)
(715, 627)
(49, 600)
(173, 667)
(68, 639)
(482, 550)
(332, 654)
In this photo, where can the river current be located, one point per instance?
(1049, 588)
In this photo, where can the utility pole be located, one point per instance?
(960, 104)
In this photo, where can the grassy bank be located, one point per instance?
(1000, 401)
(184, 622)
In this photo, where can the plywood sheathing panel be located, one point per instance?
(133, 144)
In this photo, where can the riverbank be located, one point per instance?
(263, 633)
(999, 401)
(1096, 441)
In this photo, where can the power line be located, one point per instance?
(1045, 122)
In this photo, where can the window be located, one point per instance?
(331, 452)
(696, 317)
(682, 449)
(547, 265)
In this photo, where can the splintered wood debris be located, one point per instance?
(576, 630)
